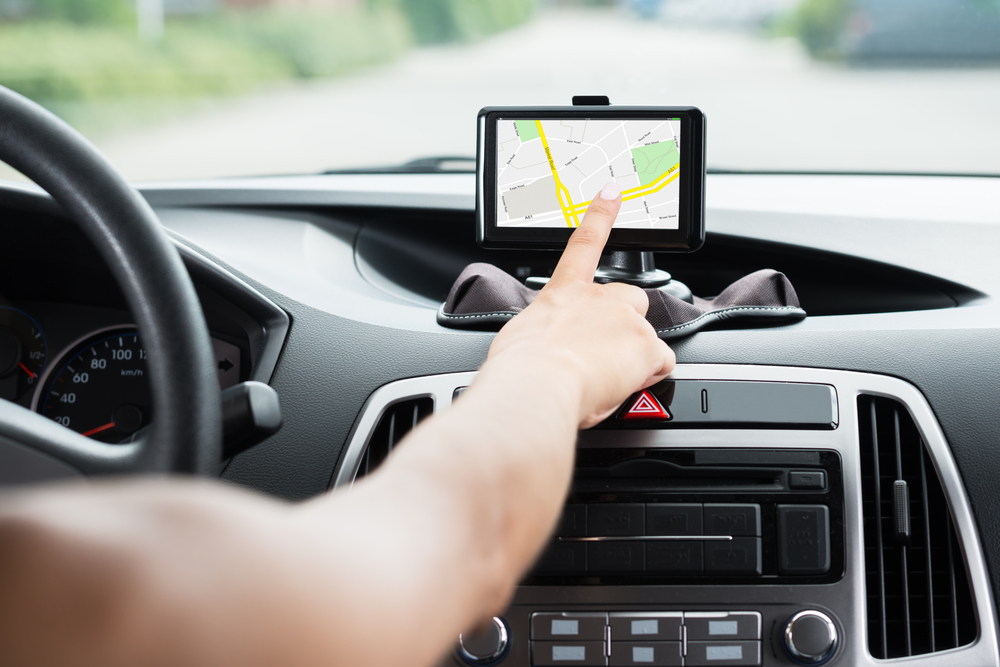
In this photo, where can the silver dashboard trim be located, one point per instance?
(440, 388)
(845, 599)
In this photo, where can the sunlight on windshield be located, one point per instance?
(174, 89)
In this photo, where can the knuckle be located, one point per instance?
(585, 236)
(644, 328)
(625, 312)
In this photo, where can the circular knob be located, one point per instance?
(485, 646)
(809, 638)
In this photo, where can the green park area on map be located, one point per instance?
(526, 130)
(653, 160)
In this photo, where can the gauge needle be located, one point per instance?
(98, 429)
(25, 369)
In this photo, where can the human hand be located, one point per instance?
(597, 334)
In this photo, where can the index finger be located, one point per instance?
(583, 250)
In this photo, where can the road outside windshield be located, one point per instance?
(180, 89)
(549, 170)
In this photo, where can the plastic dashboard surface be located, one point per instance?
(353, 330)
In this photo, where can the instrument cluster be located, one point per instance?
(84, 367)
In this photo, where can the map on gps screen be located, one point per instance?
(548, 171)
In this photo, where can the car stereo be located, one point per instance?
(707, 516)
(538, 169)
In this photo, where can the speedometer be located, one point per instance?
(99, 388)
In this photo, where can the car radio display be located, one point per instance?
(548, 171)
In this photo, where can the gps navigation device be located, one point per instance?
(538, 168)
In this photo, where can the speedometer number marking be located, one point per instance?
(101, 389)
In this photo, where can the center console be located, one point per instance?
(738, 515)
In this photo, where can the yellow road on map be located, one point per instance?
(569, 209)
(641, 191)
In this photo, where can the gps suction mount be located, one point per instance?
(633, 267)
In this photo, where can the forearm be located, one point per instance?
(503, 455)
(481, 487)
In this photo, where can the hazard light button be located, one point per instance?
(644, 407)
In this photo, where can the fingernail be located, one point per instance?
(611, 191)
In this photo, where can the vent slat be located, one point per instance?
(952, 587)
(918, 593)
(392, 433)
(878, 532)
(929, 570)
(394, 424)
(905, 571)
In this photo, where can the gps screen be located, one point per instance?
(548, 171)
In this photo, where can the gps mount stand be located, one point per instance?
(638, 268)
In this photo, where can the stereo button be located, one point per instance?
(637, 654)
(649, 627)
(616, 520)
(616, 557)
(807, 480)
(722, 626)
(552, 654)
(569, 627)
(803, 539)
(741, 520)
(741, 555)
(704, 654)
(563, 558)
(673, 519)
(670, 558)
(573, 522)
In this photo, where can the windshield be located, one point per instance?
(174, 89)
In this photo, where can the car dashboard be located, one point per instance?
(821, 492)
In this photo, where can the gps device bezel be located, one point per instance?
(690, 235)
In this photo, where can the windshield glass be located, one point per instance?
(203, 88)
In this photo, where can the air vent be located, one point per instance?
(398, 420)
(917, 588)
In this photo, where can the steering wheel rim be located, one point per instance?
(186, 433)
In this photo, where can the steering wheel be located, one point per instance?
(186, 433)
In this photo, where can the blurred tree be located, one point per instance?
(819, 24)
(442, 21)
(85, 11)
(433, 21)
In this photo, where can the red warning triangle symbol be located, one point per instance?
(646, 407)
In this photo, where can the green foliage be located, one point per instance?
(819, 23)
(87, 50)
(442, 21)
(108, 12)
(53, 61)
(320, 44)
(60, 61)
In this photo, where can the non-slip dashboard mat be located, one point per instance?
(485, 297)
